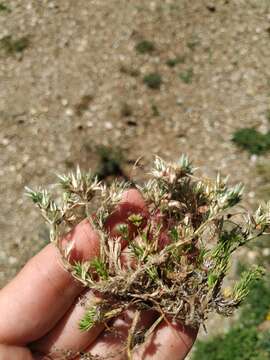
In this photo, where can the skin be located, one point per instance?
(41, 306)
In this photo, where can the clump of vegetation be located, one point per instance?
(153, 80)
(245, 340)
(186, 76)
(129, 70)
(13, 46)
(126, 109)
(174, 61)
(193, 43)
(180, 247)
(145, 47)
(238, 344)
(252, 140)
(4, 8)
(83, 104)
(110, 163)
(155, 110)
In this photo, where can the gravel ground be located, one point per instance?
(71, 79)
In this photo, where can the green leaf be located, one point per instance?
(152, 272)
(100, 268)
(212, 278)
(242, 287)
(88, 320)
(174, 234)
(137, 250)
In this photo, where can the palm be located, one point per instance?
(42, 306)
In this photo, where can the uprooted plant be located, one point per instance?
(181, 252)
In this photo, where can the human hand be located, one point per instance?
(41, 307)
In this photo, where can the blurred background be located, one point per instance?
(104, 83)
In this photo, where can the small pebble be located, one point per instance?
(69, 112)
(266, 252)
(108, 125)
(64, 102)
(12, 260)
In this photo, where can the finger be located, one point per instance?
(14, 352)
(172, 342)
(43, 291)
(132, 203)
(112, 344)
(66, 335)
(67, 332)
